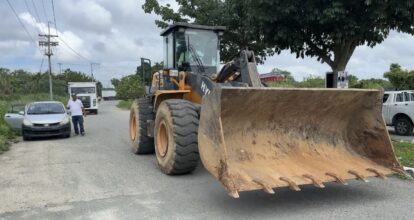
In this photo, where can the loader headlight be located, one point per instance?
(173, 73)
(64, 121)
(27, 122)
(94, 102)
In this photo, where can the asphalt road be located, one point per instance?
(97, 177)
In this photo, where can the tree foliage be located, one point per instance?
(312, 82)
(400, 79)
(230, 13)
(20, 82)
(372, 84)
(128, 87)
(329, 30)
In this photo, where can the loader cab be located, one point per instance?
(192, 48)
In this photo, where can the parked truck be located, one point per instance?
(398, 111)
(87, 93)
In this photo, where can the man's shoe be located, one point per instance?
(76, 134)
(83, 133)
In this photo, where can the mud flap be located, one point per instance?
(264, 138)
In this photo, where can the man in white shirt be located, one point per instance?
(77, 111)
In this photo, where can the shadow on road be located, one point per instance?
(310, 198)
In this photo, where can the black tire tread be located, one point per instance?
(185, 121)
(144, 109)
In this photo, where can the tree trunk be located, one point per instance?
(342, 55)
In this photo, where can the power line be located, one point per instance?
(73, 50)
(27, 6)
(44, 10)
(36, 13)
(54, 17)
(21, 23)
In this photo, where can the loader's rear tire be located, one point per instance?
(403, 126)
(175, 132)
(141, 112)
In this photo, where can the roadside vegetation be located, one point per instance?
(395, 78)
(405, 153)
(22, 87)
(132, 86)
(124, 104)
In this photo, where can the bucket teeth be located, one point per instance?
(378, 173)
(337, 178)
(234, 194)
(399, 170)
(292, 184)
(315, 181)
(358, 175)
(265, 187)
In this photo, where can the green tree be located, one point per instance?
(128, 87)
(400, 79)
(373, 84)
(230, 13)
(312, 82)
(352, 80)
(327, 30)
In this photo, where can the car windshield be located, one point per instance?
(45, 108)
(82, 90)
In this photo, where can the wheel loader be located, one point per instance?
(249, 136)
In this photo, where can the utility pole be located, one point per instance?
(93, 64)
(46, 41)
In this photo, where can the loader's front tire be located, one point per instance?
(141, 112)
(175, 132)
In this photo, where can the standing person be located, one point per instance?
(77, 111)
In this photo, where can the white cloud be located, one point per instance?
(88, 15)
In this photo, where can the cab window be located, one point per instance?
(406, 97)
(399, 97)
(411, 97)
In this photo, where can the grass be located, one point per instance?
(405, 153)
(6, 132)
(124, 104)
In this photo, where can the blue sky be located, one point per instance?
(117, 33)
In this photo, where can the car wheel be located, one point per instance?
(25, 138)
(403, 126)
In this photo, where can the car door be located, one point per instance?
(386, 102)
(14, 117)
(409, 109)
(398, 105)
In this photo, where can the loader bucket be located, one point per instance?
(264, 138)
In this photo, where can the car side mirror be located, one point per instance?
(21, 112)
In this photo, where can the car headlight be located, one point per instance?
(64, 121)
(27, 122)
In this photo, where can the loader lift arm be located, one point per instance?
(242, 68)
